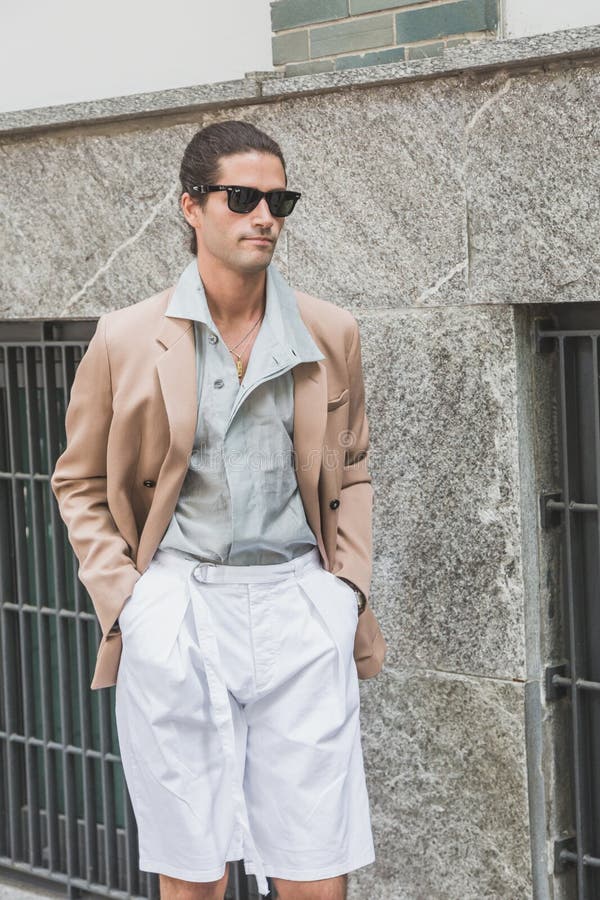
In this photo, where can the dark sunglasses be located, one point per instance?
(245, 199)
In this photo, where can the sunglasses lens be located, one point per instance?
(243, 199)
(281, 203)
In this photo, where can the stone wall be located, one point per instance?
(446, 206)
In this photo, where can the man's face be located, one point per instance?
(228, 236)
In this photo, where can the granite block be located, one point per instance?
(381, 222)
(104, 203)
(532, 146)
(448, 573)
(446, 771)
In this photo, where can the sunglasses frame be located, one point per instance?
(207, 188)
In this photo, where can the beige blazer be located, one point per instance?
(130, 427)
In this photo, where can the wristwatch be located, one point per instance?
(360, 597)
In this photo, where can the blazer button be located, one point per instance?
(334, 504)
(149, 483)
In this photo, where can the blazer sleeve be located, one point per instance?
(354, 547)
(79, 483)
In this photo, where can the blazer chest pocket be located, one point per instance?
(334, 402)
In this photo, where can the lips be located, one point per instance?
(260, 240)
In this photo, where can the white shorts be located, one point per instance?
(237, 709)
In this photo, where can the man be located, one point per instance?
(216, 493)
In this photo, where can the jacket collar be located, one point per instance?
(282, 316)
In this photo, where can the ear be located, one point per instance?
(191, 211)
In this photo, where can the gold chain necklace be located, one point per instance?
(239, 364)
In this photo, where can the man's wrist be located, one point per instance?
(360, 597)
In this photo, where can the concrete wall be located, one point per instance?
(446, 203)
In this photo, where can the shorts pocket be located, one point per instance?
(335, 602)
(348, 592)
(138, 589)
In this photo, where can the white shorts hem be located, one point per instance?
(272, 870)
(152, 865)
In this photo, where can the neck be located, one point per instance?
(233, 298)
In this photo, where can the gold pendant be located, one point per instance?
(239, 365)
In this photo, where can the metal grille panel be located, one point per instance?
(65, 812)
(573, 334)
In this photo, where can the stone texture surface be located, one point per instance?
(104, 203)
(384, 226)
(134, 106)
(461, 56)
(445, 764)
(533, 159)
(13, 889)
(447, 579)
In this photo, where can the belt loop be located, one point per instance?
(200, 570)
(304, 562)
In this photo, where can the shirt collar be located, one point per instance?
(188, 301)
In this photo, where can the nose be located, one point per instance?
(262, 213)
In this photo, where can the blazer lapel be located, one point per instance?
(176, 370)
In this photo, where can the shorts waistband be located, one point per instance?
(221, 572)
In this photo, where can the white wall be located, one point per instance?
(62, 51)
(524, 17)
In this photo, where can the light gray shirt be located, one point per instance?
(239, 503)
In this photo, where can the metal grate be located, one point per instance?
(65, 812)
(573, 334)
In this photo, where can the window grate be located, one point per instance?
(573, 334)
(65, 812)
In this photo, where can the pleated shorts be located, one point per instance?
(237, 711)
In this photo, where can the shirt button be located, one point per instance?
(213, 338)
(218, 383)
